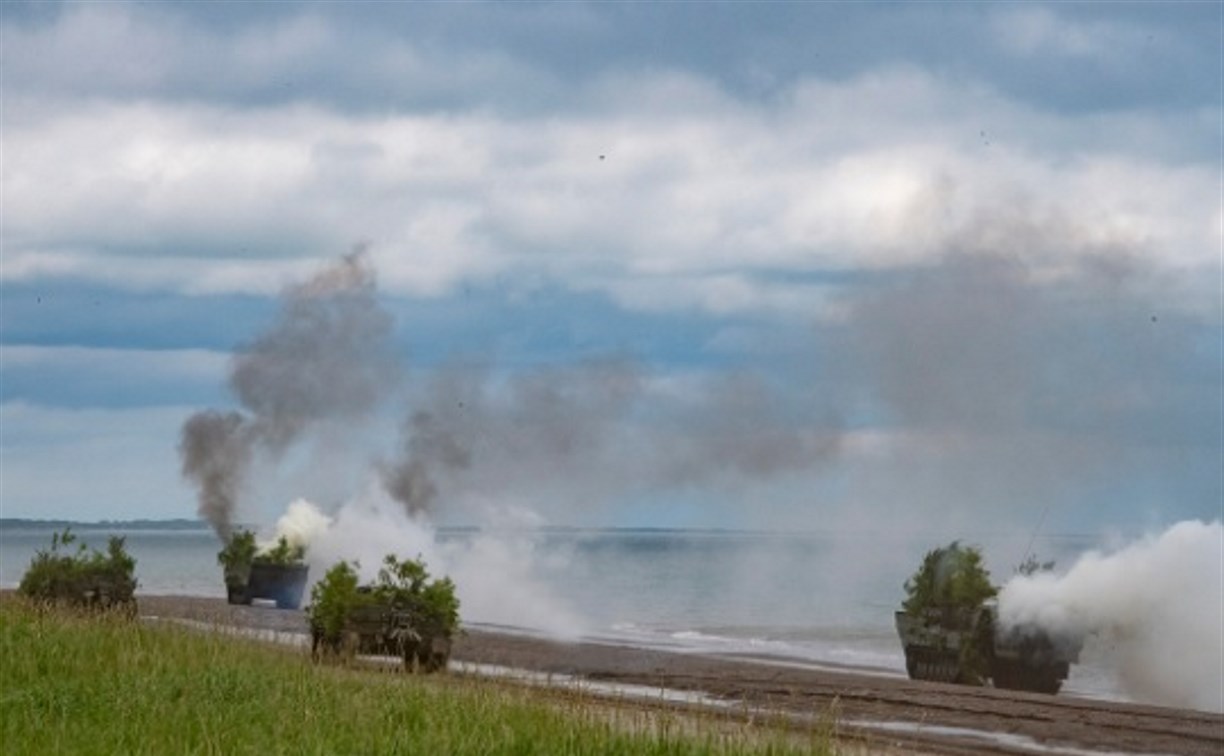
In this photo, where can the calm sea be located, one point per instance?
(811, 598)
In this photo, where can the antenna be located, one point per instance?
(1028, 550)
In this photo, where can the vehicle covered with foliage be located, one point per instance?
(403, 614)
(82, 577)
(950, 632)
(275, 574)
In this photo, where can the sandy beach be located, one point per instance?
(888, 712)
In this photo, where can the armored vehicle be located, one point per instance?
(282, 583)
(402, 613)
(404, 629)
(277, 574)
(967, 645)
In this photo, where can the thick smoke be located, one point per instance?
(302, 524)
(326, 357)
(467, 428)
(1011, 382)
(588, 434)
(216, 450)
(496, 577)
(1155, 607)
(997, 389)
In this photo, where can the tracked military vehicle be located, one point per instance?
(387, 628)
(950, 632)
(403, 614)
(967, 646)
(277, 574)
(283, 584)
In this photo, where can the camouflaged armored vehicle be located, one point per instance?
(283, 584)
(950, 632)
(403, 613)
(967, 646)
(277, 574)
(381, 628)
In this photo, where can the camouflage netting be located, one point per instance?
(953, 585)
(951, 577)
(403, 612)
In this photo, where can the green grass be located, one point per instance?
(73, 683)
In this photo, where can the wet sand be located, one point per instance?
(889, 712)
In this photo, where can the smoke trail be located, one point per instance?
(1156, 607)
(216, 451)
(327, 356)
(429, 445)
(594, 432)
(510, 438)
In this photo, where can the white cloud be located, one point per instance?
(92, 50)
(168, 364)
(663, 189)
(191, 276)
(1035, 30)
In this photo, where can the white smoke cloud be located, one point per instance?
(368, 528)
(497, 575)
(1156, 607)
(302, 523)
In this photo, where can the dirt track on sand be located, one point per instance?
(886, 711)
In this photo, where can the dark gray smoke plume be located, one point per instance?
(429, 445)
(590, 433)
(216, 451)
(1021, 382)
(327, 356)
(529, 429)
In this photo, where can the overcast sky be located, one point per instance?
(801, 265)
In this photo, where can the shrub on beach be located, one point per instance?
(84, 577)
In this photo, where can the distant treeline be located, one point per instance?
(21, 523)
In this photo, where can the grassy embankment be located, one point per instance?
(71, 683)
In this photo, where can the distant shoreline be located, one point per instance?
(22, 523)
(185, 524)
